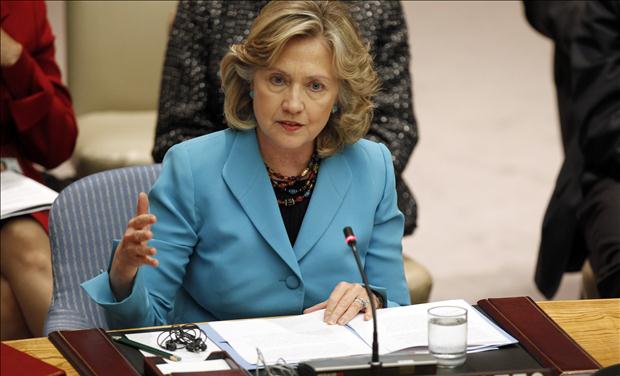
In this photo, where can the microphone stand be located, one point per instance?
(352, 243)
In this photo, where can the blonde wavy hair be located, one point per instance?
(279, 22)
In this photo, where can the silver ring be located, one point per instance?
(361, 301)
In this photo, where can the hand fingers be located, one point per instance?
(145, 260)
(316, 307)
(345, 293)
(353, 309)
(150, 261)
(368, 313)
(137, 236)
(134, 250)
(139, 255)
(332, 302)
(375, 301)
(349, 306)
(143, 204)
(153, 262)
(140, 221)
(127, 260)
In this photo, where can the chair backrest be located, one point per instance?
(84, 219)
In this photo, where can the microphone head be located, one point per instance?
(349, 237)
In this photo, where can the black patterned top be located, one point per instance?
(191, 100)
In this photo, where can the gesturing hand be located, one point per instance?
(133, 250)
(345, 302)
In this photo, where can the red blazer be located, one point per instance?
(37, 123)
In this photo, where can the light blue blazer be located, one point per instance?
(223, 249)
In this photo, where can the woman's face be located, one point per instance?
(293, 99)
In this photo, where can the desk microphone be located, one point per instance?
(351, 241)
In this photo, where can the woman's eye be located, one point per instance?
(277, 80)
(316, 86)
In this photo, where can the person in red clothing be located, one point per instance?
(37, 126)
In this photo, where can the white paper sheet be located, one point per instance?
(406, 327)
(22, 195)
(293, 338)
(202, 366)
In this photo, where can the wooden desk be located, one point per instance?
(594, 324)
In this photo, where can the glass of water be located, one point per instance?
(447, 335)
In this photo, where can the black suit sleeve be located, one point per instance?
(595, 57)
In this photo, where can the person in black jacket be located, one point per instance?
(583, 217)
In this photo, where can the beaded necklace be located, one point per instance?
(297, 188)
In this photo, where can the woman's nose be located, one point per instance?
(293, 102)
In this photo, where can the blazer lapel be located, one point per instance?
(331, 187)
(245, 174)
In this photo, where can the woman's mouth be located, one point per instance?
(290, 126)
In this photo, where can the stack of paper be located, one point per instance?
(21, 195)
(304, 337)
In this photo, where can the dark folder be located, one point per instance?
(91, 352)
(18, 363)
(540, 335)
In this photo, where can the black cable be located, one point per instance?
(188, 336)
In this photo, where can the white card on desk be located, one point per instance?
(206, 365)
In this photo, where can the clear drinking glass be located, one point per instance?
(447, 335)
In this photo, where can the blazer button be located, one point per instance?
(292, 282)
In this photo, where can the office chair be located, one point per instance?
(84, 219)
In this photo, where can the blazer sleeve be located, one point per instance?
(595, 58)
(384, 259)
(554, 19)
(155, 288)
(40, 104)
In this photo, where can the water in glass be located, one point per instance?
(447, 335)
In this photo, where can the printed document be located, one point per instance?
(292, 338)
(21, 195)
(406, 327)
(304, 337)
